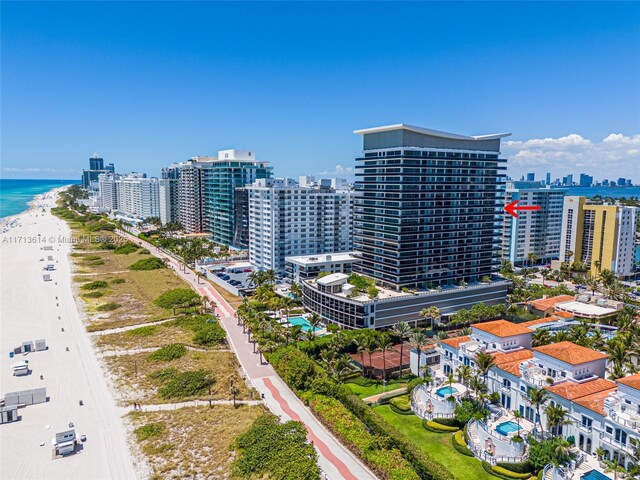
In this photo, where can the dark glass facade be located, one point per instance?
(428, 215)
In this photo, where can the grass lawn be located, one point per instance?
(438, 445)
(194, 442)
(132, 376)
(374, 389)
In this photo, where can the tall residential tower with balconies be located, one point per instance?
(427, 206)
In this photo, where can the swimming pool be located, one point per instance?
(302, 322)
(505, 428)
(445, 391)
(594, 475)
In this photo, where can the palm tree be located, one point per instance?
(371, 346)
(556, 418)
(538, 397)
(477, 385)
(464, 373)
(402, 331)
(484, 361)
(634, 457)
(418, 340)
(383, 345)
(607, 277)
(451, 380)
(314, 321)
(361, 346)
(295, 290)
(517, 415)
(431, 312)
(593, 284)
(532, 257)
(541, 336)
(270, 277)
(612, 466)
(546, 273)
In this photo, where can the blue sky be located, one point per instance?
(146, 84)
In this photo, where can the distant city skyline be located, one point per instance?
(292, 81)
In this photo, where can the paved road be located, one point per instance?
(336, 461)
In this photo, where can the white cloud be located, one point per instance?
(615, 156)
(339, 170)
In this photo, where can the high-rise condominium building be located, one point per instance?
(108, 192)
(531, 177)
(548, 178)
(232, 169)
(138, 196)
(96, 167)
(286, 219)
(168, 190)
(598, 236)
(427, 206)
(190, 193)
(532, 232)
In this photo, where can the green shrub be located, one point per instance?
(177, 298)
(167, 353)
(460, 445)
(107, 307)
(148, 431)
(449, 422)
(401, 403)
(146, 331)
(435, 427)
(151, 449)
(164, 374)
(295, 368)
(91, 258)
(413, 383)
(508, 474)
(126, 249)
(144, 251)
(94, 285)
(108, 246)
(209, 334)
(186, 384)
(521, 467)
(151, 263)
(95, 294)
(118, 281)
(376, 450)
(270, 449)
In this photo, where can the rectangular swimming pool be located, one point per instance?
(302, 322)
(446, 391)
(594, 475)
(505, 428)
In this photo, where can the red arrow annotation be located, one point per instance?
(513, 206)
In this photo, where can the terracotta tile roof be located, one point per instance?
(524, 354)
(595, 401)
(455, 341)
(569, 352)
(510, 362)
(546, 303)
(564, 314)
(632, 381)
(512, 367)
(501, 328)
(572, 391)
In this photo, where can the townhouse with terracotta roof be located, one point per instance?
(603, 413)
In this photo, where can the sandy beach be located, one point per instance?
(31, 309)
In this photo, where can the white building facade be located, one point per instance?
(286, 220)
(532, 232)
(138, 196)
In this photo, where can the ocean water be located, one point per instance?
(615, 192)
(15, 194)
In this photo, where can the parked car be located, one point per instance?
(247, 270)
(225, 277)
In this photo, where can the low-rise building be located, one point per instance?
(303, 267)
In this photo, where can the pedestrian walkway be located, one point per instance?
(337, 462)
(192, 403)
(375, 398)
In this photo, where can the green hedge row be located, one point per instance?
(435, 427)
(522, 467)
(503, 473)
(425, 465)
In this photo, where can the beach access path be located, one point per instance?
(334, 459)
(34, 309)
